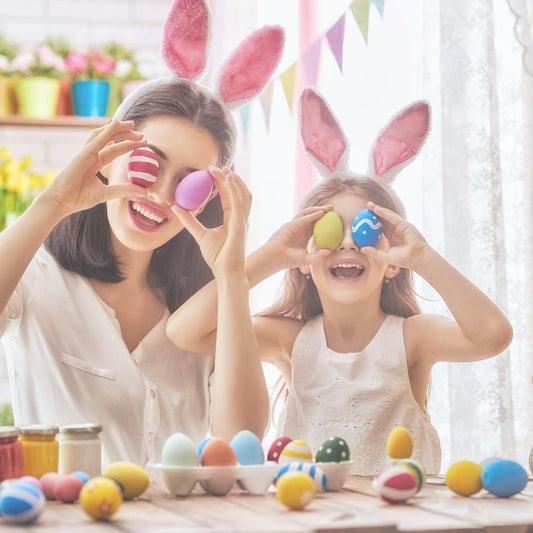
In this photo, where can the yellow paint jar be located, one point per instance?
(40, 449)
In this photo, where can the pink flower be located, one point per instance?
(76, 63)
(104, 66)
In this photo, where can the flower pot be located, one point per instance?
(64, 102)
(37, 96)
(90, 97)
(8, 97)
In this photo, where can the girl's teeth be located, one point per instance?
(147, 213)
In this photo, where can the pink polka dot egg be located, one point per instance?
(276, 448)
(296, 450)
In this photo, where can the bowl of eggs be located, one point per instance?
(215, 464)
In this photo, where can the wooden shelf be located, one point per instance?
(61, 121)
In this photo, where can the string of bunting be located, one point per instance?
(310, 58)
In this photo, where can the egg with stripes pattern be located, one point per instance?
(296, 450)
(315, 473)
(143, 167)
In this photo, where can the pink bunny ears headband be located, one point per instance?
(397, 144)
(186, 39)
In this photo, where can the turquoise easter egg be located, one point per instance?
(504, 478)
(248, 448)
(21, 502)
(366, 229)
(315, 472)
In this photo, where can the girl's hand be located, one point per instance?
(222, 247)
(291, 242)
(406, 242)
(77, 186)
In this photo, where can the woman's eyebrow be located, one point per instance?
(159, 152)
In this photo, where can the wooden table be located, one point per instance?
(355, 508)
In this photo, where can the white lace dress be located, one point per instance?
(360, 397)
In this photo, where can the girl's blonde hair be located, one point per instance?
(299, 298)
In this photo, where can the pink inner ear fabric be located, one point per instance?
(321, 134)
(247, 71)
(185, 38)
(402, 138)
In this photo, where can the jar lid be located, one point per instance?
(81, 428)
(9, 431)
(38, 429)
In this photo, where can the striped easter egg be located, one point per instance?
(395, 484)
(143, 167)
(21, 502)
(296, 450)
(315, 473)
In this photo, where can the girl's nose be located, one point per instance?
(347, 242)
(163, 190)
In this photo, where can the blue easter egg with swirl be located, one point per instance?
(315, 472)
(366, 228)
(504, 478)
(21, 503)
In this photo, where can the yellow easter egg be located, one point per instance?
(399, 443)
(327, 231)
(295, 489)
(100, 497)
(464, 478)
(131, 476)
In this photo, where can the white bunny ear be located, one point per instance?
(324, 141)
(249, 68)
(399, 142)
(186, 37)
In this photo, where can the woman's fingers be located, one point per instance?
(115, 131)
(111, 152)
(122, 190)
(190, 222)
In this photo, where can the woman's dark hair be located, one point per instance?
(81, 242)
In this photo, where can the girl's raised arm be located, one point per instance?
(75, 188)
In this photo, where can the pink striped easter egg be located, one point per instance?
(143, 167)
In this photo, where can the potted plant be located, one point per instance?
(61, 47)
(8, 77)
(90, 87)
(19, 184)
(38, 89)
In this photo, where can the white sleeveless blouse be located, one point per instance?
(360, 397)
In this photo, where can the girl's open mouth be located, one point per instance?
(347, 271)
(145, 216)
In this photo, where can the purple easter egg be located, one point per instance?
(194, 190)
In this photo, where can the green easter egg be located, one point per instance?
(327, 232)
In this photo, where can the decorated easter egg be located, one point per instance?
(21, 502)
(131, 476)
(194, 189)
(296, 450)
(315, 473)
(334, 450)
(464, 478)
(395, 484)
(276, 448)
(32, 480)
(143, 167)
(67, 488)
(416, 469)
(179, 450)
(100, 497)
(48, 483)
(399, 443)
(366, 228)
(504, 478)
(248, 448)
(295, 489)
(327, 231)
(217, 452)
(82, 475)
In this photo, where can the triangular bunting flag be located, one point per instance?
(311, 60)
(266, 102)
(335, 36)
(288, 79)
(380, 5)
(360, 10)
(244, 111)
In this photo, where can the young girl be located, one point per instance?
(82, 318)
(347, 333)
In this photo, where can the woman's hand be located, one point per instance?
(291, 242)
(222, 247)
(406, 243)
(77, 186)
